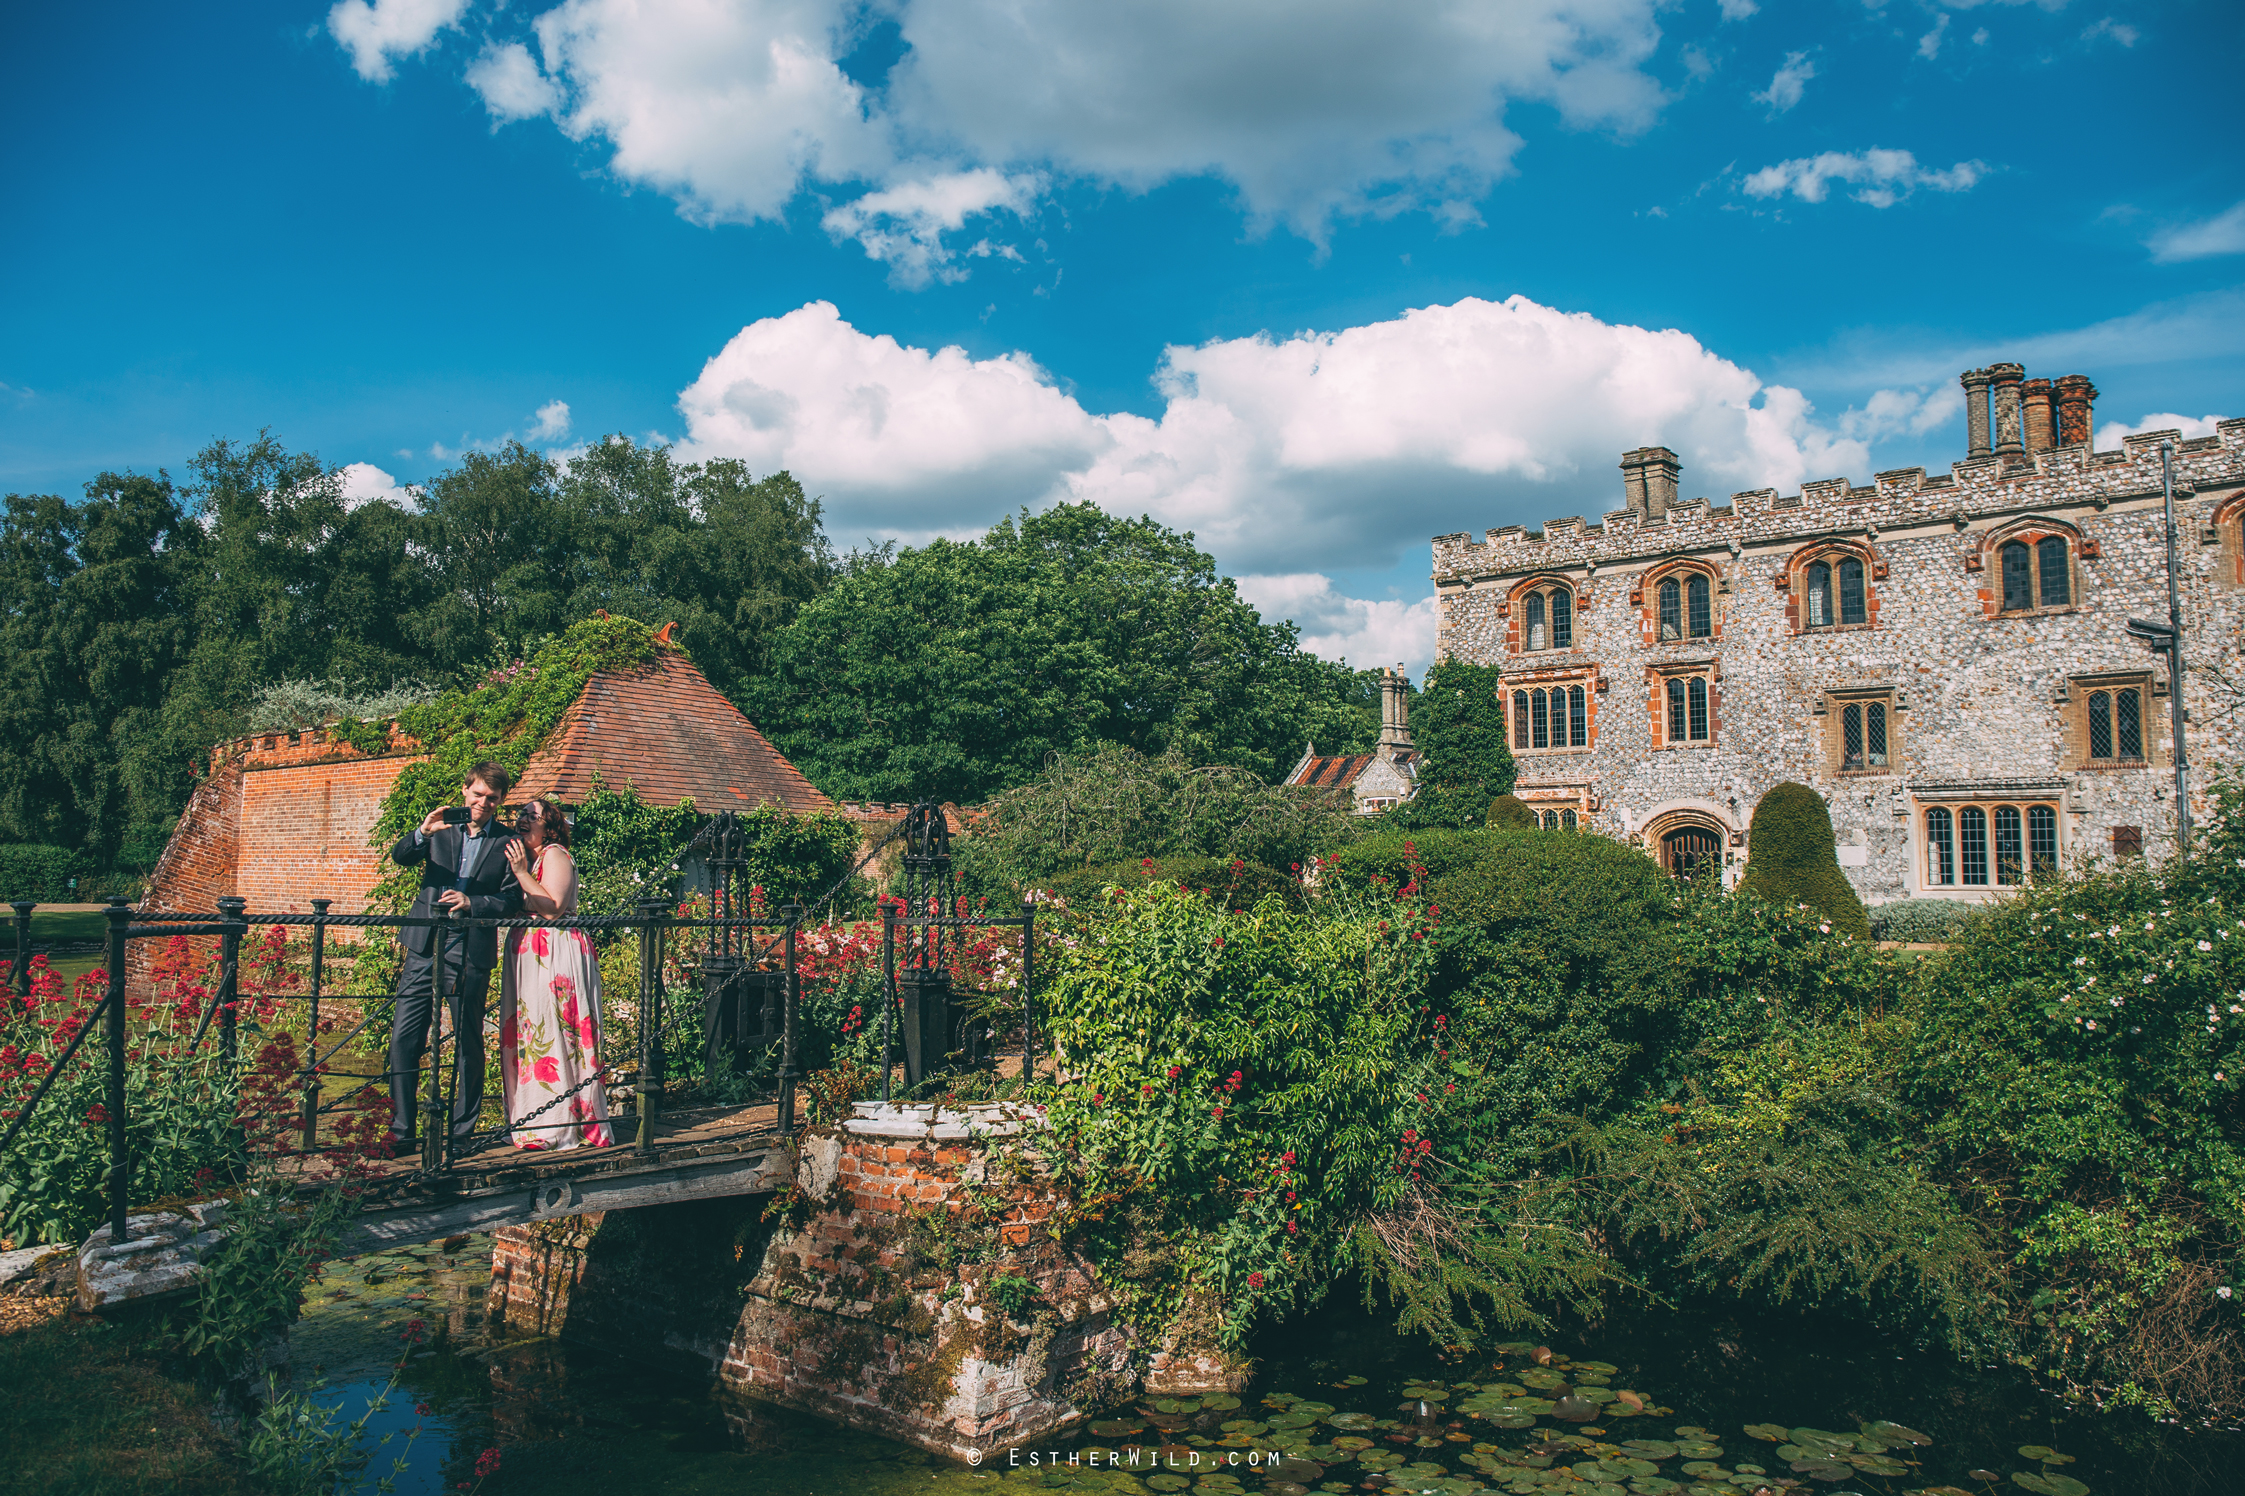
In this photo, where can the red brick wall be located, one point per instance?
(304, 833)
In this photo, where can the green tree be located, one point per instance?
(1464, 765)
(955, 670)
(1792, 859)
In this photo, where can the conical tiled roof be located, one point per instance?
(666, 731)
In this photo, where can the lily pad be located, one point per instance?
(1828, 1470)
(1166, 1482)
(1353, 1381)
(1177, 1405)
(1512, 1420)
(1220, 1401)
(1651, 1449)
(1596, 1394)
(1543, 1377)
(2049, 1484)
(1768, 1433)
(1889, 1433)
(1698, 1449)
(2046, 1454)
(1632, 1465)
(1603, 1368)
(1349, 1443)
(1574, 1410)
(1351, 1420)
(1116, 1428)
(1878, 1464)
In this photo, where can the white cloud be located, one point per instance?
(1908, 412)
(1311, 109)
(511, 83)
(2110, 434)
(904, 225)
(553, 422)
(1319, 452)
(364, 483)
(1737, 10)
(1882, 177)
(1786, 87)
(1929, 45)
(1980, 37)
(2118, 31)
(378, 32)
(1366, 632)
(2223, 234)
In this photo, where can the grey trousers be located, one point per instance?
(465, 987)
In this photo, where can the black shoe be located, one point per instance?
(402, 1143)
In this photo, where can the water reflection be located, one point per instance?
(1376, 1411)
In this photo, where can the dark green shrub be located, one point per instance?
(31, 871)
(1928, 921)
(1511, 813)
(1793, 859)
(1458, 722)
(1234, 884)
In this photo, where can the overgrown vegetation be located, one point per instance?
(1795, 860)
(1458, 723)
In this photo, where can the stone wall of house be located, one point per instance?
(1987, 707)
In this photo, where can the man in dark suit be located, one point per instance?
(463, 869)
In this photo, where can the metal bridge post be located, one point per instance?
(1028, 1012)
(230, 909)
(793, 914)
(647, 1094)
(20, 978)
(888, 996)
(119, 914)
(311, 1120)
(436, 1120)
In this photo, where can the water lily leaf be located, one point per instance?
(1293, 1418)
(1890, 1433)
(1945, 1491)
(1704, 1467)
(1543, 1377)
(1243, 1426)
(1698, 1449)
(1176, 1405)
(1650, 1449)
(1825, 1470)
(1512, 1420)
(2049, 1484)
(1167, 1482)
(1222, 1402)
(1878, 1464)
(1349, 1443)
(2046, 1454)
(1513, 1347)
(1824, 1438)
(1768, 1433)
(1631, 1465)
(1351, 1420)
(1602, 1368)
(1116, 1428)
(1652, 1485)
(1281, 1488)
(1319, 1409)
(1983, 1475)
(1574, 1410)
(1597, 1394)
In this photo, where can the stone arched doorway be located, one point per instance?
(1691, 850)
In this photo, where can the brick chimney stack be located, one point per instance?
(1648, 477)
(2003, 412)
(2076, 407)
(2042, 429)
(1975, 382)
(1395, 712)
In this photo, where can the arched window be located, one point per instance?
(1819, 595)
(1551, 820)
(2116, 725)
(1671, 610)
(1972, 843)
(1851, 590)
(2018, 577)
(1940, 848)
(2050, 558)
(2011, 861)
(1696, 687)
(1519, 719)
(1702, 614)
(1567, 820)
(2042, 839)
(1578, 718)
(1675, 711)
(1539, 716)
(2038, 575)
(1562, 618)
(1535, 630)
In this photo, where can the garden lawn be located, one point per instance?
(92, 1409)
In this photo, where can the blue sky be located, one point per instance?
(1313, 280)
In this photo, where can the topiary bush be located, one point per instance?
(1511, 813)
(31, 871)
(1793, 859)
(1924, 921)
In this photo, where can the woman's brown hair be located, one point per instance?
(550, 817)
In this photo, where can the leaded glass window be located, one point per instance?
(1675, 711)
(1535, 629)
(1972, 843)
(1702, 608)
(2010, 855)
(2042, 839)
(1819, 595)
(1562, 618)
(1940, 848)
(2050, 558)
(1671, 610)
(1851, 590)
(1697, 688)
(2018, 577)
(1578, 718)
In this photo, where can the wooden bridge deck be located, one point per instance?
(698, 1154)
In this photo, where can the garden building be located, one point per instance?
(1947, 659)
(1386, 776)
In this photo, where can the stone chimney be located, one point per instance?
(2003, 409)
(1395, 712)
(1648, 479)
(2076, 407)
(2042, 427)
(1975, 382)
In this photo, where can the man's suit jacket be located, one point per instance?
(492, 893)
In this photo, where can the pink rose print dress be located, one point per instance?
(549, 1037)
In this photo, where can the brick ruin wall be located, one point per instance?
(846, 1310)
(1983, 700)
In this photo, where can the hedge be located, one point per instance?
(29, 870)
(1928, 921)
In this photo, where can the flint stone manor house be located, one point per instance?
(1946, 659)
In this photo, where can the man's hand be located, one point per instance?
(453, 900)
(434, 822)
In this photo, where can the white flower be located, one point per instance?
(2223, 1291)
(2092, 1023)
(2204, 945)
(2148, 980)
(2081, 960)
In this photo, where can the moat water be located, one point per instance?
(1374, 1411)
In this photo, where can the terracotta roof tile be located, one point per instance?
(665, 730)
(1332, 771)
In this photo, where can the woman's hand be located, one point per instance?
(517, 858)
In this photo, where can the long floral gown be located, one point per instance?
(549, 1037)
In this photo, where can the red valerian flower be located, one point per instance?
(1175, 1071)
(1293, 1228)
(1426, 1145)
(1218, 1114)
(487, 1463)
(1219, 940)
(1254, 1280)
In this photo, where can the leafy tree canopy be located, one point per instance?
(1457, 721)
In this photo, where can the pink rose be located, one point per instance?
(546, 1068)
(539, 946)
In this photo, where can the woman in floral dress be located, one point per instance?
(549, 1006)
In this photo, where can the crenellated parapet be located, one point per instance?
(1976, 492)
